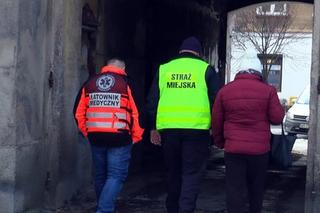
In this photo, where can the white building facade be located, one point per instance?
(294, 69)
(291, 65)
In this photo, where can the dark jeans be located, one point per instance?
(245, 174)
(111, 170)
(185, 154)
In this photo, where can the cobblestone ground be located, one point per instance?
(145, 193)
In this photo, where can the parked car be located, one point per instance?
(297, 117)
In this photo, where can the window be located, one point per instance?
(273, 66)
(304, 98)
(274, 9)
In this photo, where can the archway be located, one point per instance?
(312, 203)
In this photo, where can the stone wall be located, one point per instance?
(9, 10)
(43, 161)
(312, 191)
(30, 86)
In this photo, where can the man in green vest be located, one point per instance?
(179, 105)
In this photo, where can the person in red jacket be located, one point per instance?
(241, 118)
(106, 114)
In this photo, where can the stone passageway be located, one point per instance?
(49, 48)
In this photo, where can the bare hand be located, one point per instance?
(155, 137)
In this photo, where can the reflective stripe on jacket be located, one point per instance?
(106, 105)
(184, 101)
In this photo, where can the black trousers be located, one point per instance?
(185, 154)
(245, 175)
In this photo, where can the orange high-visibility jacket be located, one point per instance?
(106, 105)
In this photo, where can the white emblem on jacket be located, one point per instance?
(105, 82)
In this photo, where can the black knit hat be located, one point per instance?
(191, 43)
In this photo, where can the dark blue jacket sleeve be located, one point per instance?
(213, 84)
(152, 101)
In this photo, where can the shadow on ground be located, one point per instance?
(145, 192)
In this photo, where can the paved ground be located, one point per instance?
(145, 193)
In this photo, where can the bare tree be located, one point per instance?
(267, 28)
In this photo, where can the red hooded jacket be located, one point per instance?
(242, 114)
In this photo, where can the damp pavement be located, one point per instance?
(144, 192)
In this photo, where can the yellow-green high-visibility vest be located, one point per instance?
(184, 101)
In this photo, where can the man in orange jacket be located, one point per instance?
(106, 114)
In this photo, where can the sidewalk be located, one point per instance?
(145, 193)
